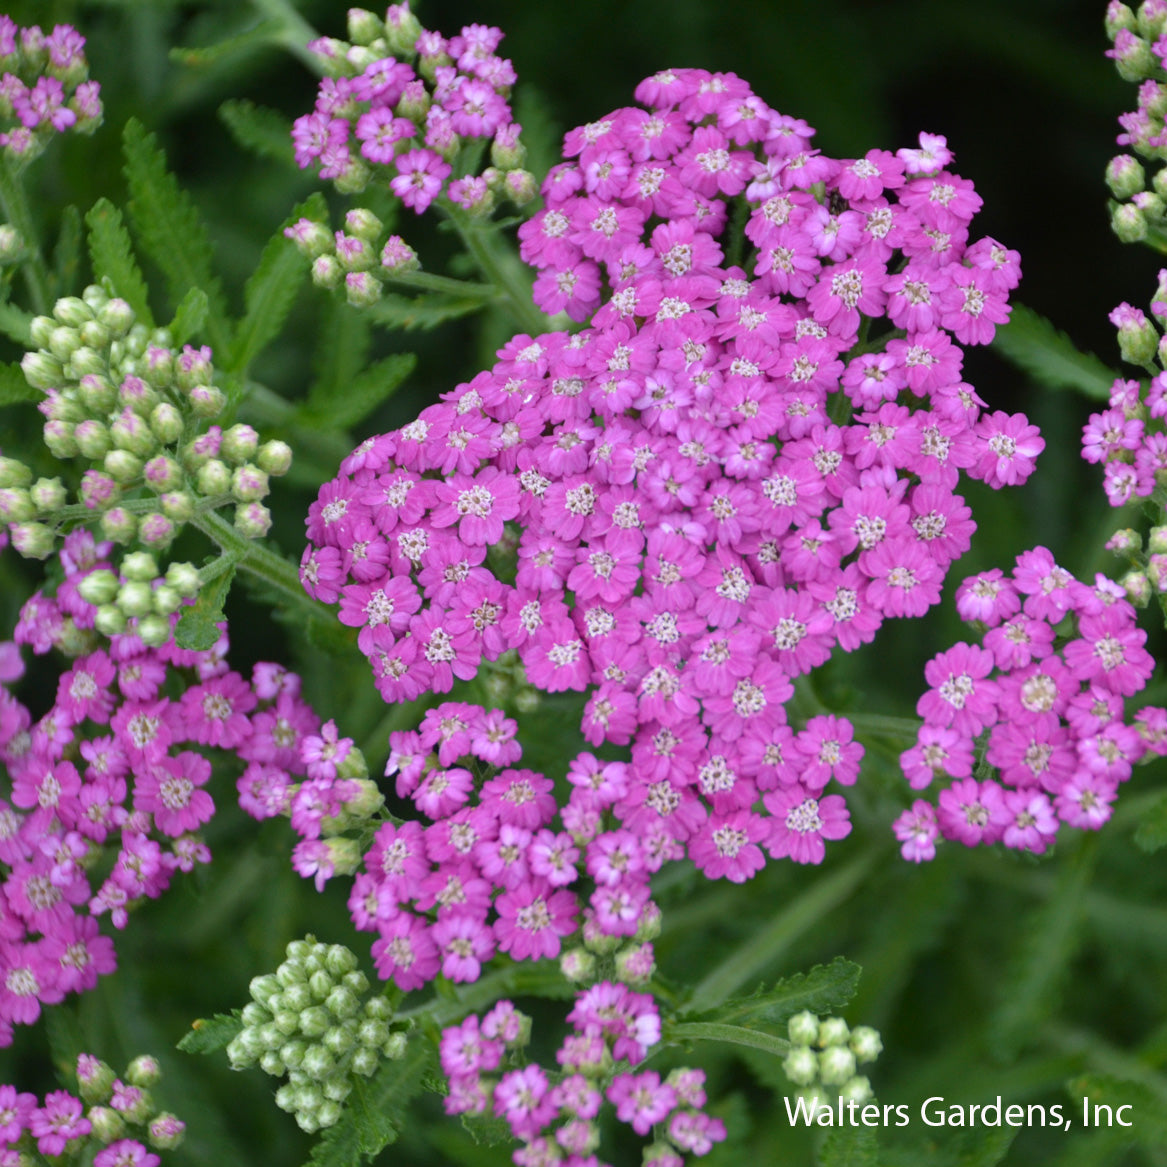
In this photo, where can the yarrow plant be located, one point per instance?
(578, 642)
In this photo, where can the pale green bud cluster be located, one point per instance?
(1140, 208)
(825, 1053)
(120, 398)
(314, 1021)
(124, 1107)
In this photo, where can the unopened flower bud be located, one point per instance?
(866, 1044)
(364, 26)
(1132, 57)
(95, 1079)
(117, 316)
(97, 393)
(60, 440)
(85, 361)
(156, 530)
(41, 329)
(274, 458)
(122, 466)
(47, 494)
(363, 224)
(12, 246)
(327, 271)
(162, 474)
(110, 620)
(166, 423)
(249, 483)
(238, 444)
(184, 578)
(144, 1070)
(344, 855)
(311, 238)
(16, 505)
(108, 1126)
(92, 439)
(119, 525)
(134, 598)
(1138, 338)
(32, 540)
(803, 1028)
(165, 1131)
(42, 370)
(520, 187)
(130, 432)
(394, 1047)
(1128, 223)
(207, 401)
(252, 519)
(73, 311)
(353, 178)
(1150, 203)
(635, 964)
(154, 630)
(833, 1031)
(577, 965)
(98, 490)
(801, 1065)
(98, 587)
(178, 505)
(64, 341)
(95, 335)
(402, 29)
(398, 256)
(361, 289)
(213, 478)
(14, 473)
(166, 600)
(1125, 176)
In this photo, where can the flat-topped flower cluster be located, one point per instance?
(747, 458)
(1044, 698)
(398, 104)
(104, 794)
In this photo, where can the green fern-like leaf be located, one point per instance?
(209, 1034)
(357, 400)
(271, 290)
(170, 229)
(849, 1147)
(189, 317)
(343, 351)
(67, 252)
(14, 388)
(247, 40)
(1035, 346)
(197, 628)
(826, 988)
(375, 1111)
(111, 254)
(421, 312)
(16, 324)
(263, 131)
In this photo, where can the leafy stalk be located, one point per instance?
(19, 215)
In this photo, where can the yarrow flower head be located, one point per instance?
(658, 511)
(1045, 705)
(46, 88)
(399, 102)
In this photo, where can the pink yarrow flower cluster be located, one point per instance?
(401, 104)
(689, 527)
(44, 87)
(556, 1114)
(104, 795)
(1128, 438)
(1043, 697)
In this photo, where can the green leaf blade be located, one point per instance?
(209, 1034)
(198, 627)
(1035, 346)
(111, 254)
(263, 131)
(345, 408)
(14, 388)
(170, 229)
(271, 290)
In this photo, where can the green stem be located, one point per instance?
(253, 557)
(19, 215)
(500, 268)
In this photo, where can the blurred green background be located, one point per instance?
(987, 973)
